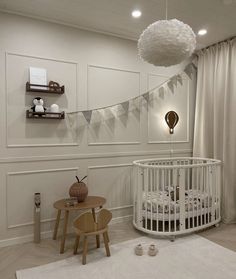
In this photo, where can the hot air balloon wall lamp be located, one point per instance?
(171, 119)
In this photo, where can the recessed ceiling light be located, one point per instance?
(136, 13)
(202, 32)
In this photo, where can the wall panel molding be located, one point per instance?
(41, 57)
(114, 143)
(135, 142)
(120, 181)
(8, 160)
(9, 53)
(28, 173)
(108, 166)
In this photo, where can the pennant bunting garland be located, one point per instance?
(113, 111)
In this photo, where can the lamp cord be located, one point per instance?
(171, 146)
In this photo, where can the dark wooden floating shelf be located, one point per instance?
(48, 89)
(45, 115)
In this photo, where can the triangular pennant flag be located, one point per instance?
(87, 115)
(114, 109)
(151, 93)
(174, 80)
(136, 102)
(179, 79)
(161, 92)
(71, 118)
(81, 120)
(189, 70)
(125, 106)
(96, 116)
(146, 96)
(194, 66)
(171, 86)
(109, 113)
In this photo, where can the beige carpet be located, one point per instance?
(191, 257)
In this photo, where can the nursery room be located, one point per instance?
(118, 140)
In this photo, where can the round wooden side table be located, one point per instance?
(91, 202)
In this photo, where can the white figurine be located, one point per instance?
(54, 108)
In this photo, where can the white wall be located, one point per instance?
(45, 155)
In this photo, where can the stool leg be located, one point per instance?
(64, 232)
(85, 248)
(106, 244)
(97, 236)
(76, 244)
(108, 239)
(98, 241)
(56, 224)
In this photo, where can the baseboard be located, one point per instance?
(48, 234)
(121, 219)
(23, 239)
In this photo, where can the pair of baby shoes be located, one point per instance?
(152, 250)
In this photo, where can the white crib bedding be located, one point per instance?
(194, 200)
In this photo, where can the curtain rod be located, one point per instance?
(225, 40)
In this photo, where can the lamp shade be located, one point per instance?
(166, 42)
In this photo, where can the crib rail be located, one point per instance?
(177, 195)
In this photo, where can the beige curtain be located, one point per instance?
(215, 117)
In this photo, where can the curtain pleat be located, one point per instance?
(215, 117)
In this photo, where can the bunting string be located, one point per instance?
(170, 83)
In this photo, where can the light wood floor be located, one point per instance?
(28, 255)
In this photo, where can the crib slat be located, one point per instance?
(169, 211)
(175, 184)
(218, 177)
(135, 190)
(145, 180)
(182, 198)
(201, 201)
(140, 197)
(151, 190)
(163, 201)
(213, 196)
(209, 185)
(157, 184)
(204, 197)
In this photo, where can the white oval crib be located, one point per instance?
(173, 196)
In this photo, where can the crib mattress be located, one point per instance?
(162, 203)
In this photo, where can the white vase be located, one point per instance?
(54, 108)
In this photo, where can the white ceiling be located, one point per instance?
(113, 16)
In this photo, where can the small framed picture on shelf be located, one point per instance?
(38, 76)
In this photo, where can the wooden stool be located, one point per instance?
(91, 202)
(85, 226)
